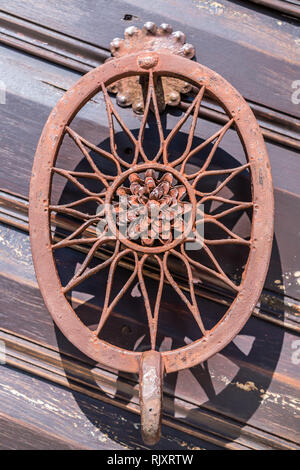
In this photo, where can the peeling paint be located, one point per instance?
(248, 386)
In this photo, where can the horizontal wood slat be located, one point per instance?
(30, 98)
(19, 435)
(82, 57)
(275, 305)
(253, 381)
(246, 397)
(70, 415)
(287, 7)
(112, 389)
(229, 37)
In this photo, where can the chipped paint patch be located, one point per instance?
(248, 386)
(214, 8)
(40, 403)
(136, 291)
(284, 401)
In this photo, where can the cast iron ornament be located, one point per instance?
(150, 70)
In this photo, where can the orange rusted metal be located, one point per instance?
(157, 184)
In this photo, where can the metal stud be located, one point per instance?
(130, 31)
(138, 107)
(122, 100)
(188, 50)
(179, 36)
(150, 38)
(166, 28)
(174, 96)
(150, 27)
(115, 44)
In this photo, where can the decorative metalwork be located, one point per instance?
(130, 91)
(154, 207)
(164, 185)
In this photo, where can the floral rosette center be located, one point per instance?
(151, 208)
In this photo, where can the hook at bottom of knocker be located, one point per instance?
(151, 381)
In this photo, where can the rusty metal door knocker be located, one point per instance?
(151, 70)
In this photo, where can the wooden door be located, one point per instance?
(52, 396)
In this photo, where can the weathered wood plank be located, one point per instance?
(276, 305)
(255, 380)
(122, 392)
(82, 57)
(29, 100)
(227, 36)
(77, 419)
(16, 434)
(34, 87)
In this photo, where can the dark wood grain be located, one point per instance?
(51, 395)
(229, 37)
(30, 98)
(287, 7)
(121, 392)
(252, 381)
(80, 56)
(70, 419)
(16, 434)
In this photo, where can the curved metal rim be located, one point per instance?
(262, 223)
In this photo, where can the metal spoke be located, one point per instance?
(72, 240)
(72, 175)
(219, 274)
(151, 98)
(218, 137)
(152, 318)
(82, 274)
(81, 142)
(111, 111)
(234, 237)
(235, 208)
(192, 306)
(108, 306)
(194, 107)
(232, 173)
(68, 208)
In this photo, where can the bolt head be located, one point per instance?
(150, 27)
(122, 100)
(179, 36)
(174, 96)
(130, 31)
(139, 107)
(166, 28)
(186, 87)
(115, 44)
(147, 60)
(188, 50)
